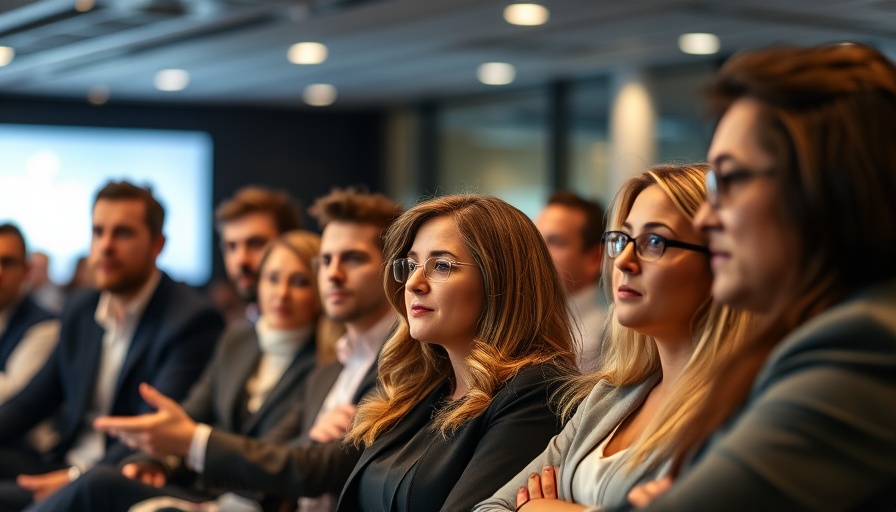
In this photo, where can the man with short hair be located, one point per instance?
(138, 326)
(349, 277)
(572, 228)
(246, 223)
(28, 332)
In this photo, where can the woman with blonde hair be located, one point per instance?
(467, 378)
(665, 333)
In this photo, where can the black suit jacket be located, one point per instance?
(172, 344)
(434, 473)
(304, 468)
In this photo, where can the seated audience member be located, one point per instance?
(140, 327)
(801, 222)
(572, 228)
(467, 379)
(257, 375)
(28, 332)
(246, 223)
(42, 289)
(80, 279)
(349, 276)
(664, 338)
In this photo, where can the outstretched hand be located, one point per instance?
(168, 431)
(332, 425)
(146, 472)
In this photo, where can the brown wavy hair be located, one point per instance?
(524, 320)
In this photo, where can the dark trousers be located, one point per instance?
(17, 460)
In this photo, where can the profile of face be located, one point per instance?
(561, 227)
(122, 251)
(444, 306)
(350, 276)
(753, 249)
(243, 240)
(660, 298)
(286, 295)
(13, 269)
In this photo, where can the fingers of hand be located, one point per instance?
(534, 484)
(548, 483)
(522, 496)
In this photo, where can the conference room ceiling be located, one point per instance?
(384, 52)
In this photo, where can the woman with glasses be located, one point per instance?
(467, 379)
(801, 222)
(664, 336)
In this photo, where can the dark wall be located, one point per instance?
(305, 152)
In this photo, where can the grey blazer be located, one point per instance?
(818, 430)
(604, 408)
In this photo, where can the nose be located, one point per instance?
(628, 261)
(417, 282)
(706, 218)
(333, 271)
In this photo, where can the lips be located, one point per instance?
(624, 292)
(418, 310)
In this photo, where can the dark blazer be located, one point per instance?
(412, 468)
(171, 346)
(305, 468)
(27, 315)
(818, 430)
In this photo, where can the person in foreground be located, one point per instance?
(801, 223)
(468, 377)
(257, 375)
(664, 336)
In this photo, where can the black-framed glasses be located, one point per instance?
(9, 262)
(436, 269)
(717, 185)
(648, 246)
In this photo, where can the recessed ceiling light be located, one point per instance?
(699, 43)
(84, 5)
(496, 73)
(171, 80)
(7, 53)
(526, 14)
(319, 95)
(98, 95)
(307, 53)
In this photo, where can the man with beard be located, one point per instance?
(304, 456)
(246, 223)
(138, 326)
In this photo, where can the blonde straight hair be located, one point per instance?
(630, 357)
(523, 322)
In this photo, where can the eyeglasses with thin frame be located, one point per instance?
(718, 185)
(436, 269)
(648, 246)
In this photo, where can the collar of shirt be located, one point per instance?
(368, 344)
(105, 315)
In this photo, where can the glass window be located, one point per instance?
(589, 140)
(683, 133)
(496, 146)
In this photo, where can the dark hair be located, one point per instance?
(593, 211)
(119, 190)
(357, 206)
(254, 199)
(8, 228)
(828, 115)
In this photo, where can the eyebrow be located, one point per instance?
(434, 254)
(650, 225)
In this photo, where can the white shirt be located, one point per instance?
(278, 350)
(357, 356)
(90, 445)
(591, 475)
(29, 355)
